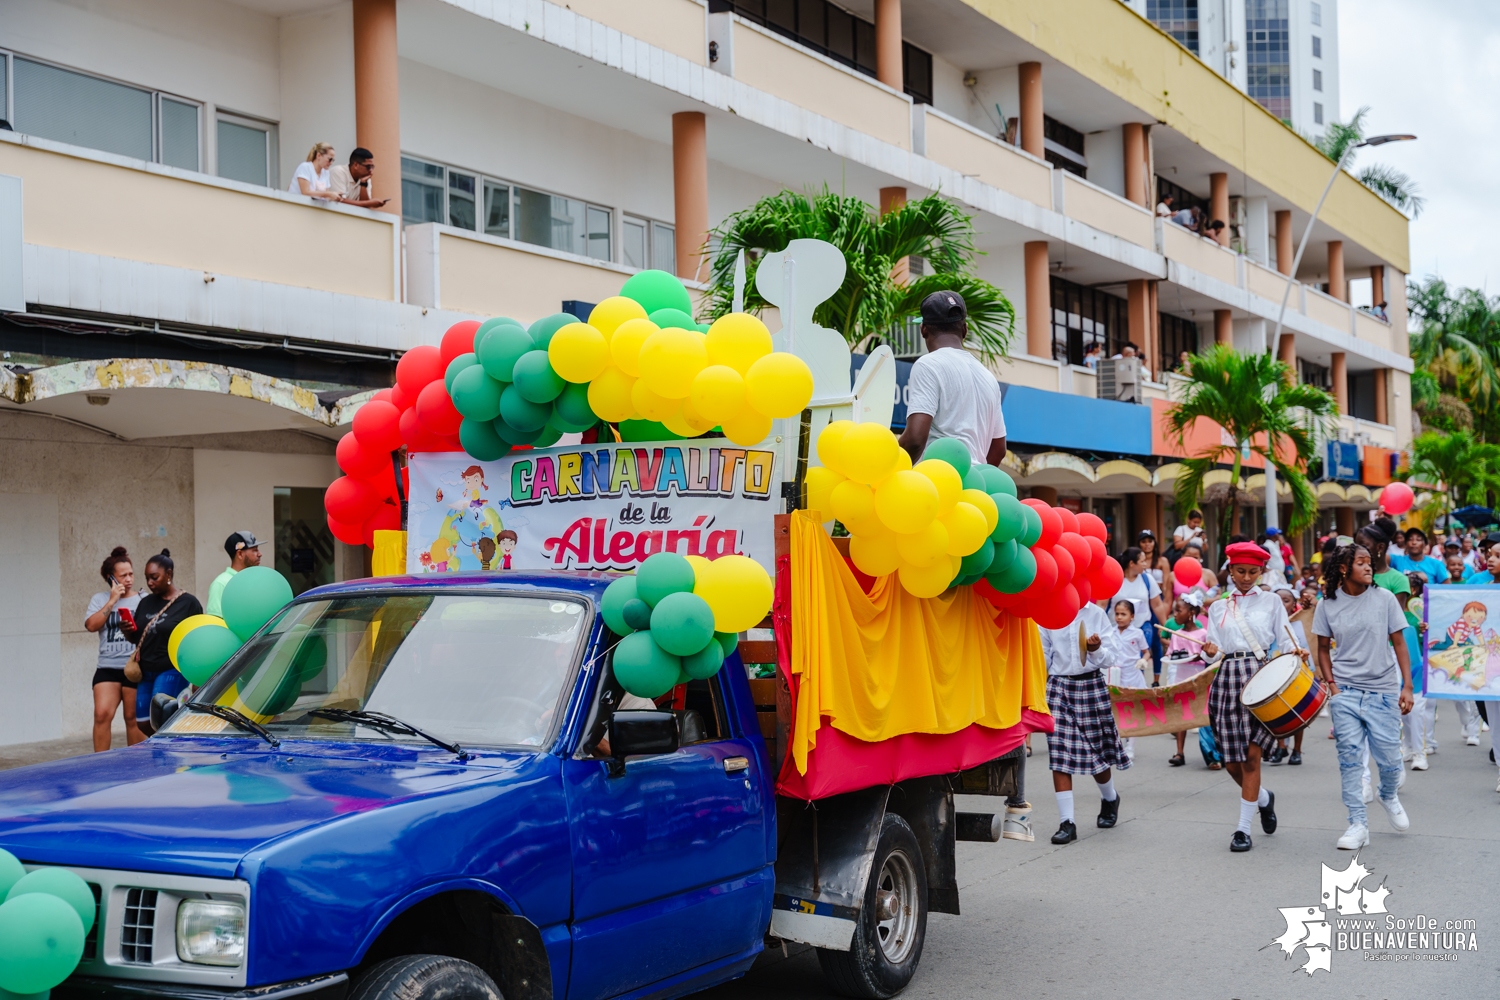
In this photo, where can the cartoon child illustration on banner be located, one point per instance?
(471, 528)
(1463, 656)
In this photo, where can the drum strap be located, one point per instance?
(1244, 627)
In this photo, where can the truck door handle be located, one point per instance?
(733, 765)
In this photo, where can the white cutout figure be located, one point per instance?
(817, 272)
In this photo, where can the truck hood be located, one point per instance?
(198, 806)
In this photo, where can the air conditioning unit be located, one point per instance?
(1120, 379)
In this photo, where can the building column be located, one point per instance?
(1382, 413)
(892, 198)
(690, 190)
(1046, 494)
(1138, 319)
(1287, 352)
(888, 44)
(1030, 76)
(1341, 381)
(1038, 301)
(1284, 249)
(1135, 164)
(1218, 203)
(1343, 521)
(1377, 284)
(377, 95)
(1145, 514)
(1223, 327)
(1337, 286)
(1153, 328)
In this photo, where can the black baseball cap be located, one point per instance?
(944, 308)
(240, 540)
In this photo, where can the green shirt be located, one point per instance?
(1393, 580)
(215, 603)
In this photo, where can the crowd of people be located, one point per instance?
(1190, 217)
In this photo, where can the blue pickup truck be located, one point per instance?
(421, 789)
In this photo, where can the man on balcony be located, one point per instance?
(353, 184)
(952, 395)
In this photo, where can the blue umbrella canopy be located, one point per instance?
(1474, 516)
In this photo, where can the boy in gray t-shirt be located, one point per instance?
(1362, 658)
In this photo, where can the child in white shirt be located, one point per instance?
(1134, 642)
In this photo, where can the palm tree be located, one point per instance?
(1338, 138)
(1467, 469)
(1254, 398)
(870, 302)
(1454, 351)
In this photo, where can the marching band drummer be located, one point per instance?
(1243, 627)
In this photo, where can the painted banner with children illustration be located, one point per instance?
(591, 506)
(1461, 651)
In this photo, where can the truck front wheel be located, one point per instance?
(887, 943)
(425, 977)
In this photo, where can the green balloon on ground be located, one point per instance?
(513, 435)
(501, 349)
(11, 871)
(662, 574)
(976, 563)
(200, 658)
(63, 884)
(1033, 530)
(997, 480)
(480, 440)
(612, 605)
(645, 430)
(41, 942)
(571, 411)
(548, 435)
(643, 668)
(1011, 521)
(542, 330)
(535, 378)
(673, 318)
(683, 624)
(475, 394)
(252, 597)
(521, 413)
(1017, 576)
(457, 365)
(637, 614)
(730, 641)
(1005, 554)
(950, 450)
(656, 290)
(702, 665)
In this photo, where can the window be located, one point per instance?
(1177, 335)
(645, 244)
(1316, 13)
(663, 247)
(1317, 79)
(1082, 316)
(462, 190)
(247, 150)
(562, 223)
(1317, 47)
(1178, 18)
(304, 545)
(1268, 55)
(179, 133)
(422, 189)
(496, 209)
(1063, 146)
(1317, 113)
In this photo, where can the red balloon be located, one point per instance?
(459, 339)
(1058, 609)
(1092, 526)
(384, 395)
(1100, 553)
(377, 424)
(418, 367)
(436, 411)
(350, 500)
(349, 534)
(1069, 519)
(1051, 527)
(357, 460)
(1106, 580)
(1188, 571)
(1085, 590)
(1046, 571)
(415, 433)
(400, 400)
(1065, 566)
(1078, 547)
(387, 517)
(449, 444)
(1397, 498)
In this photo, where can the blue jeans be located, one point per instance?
(1361, 717)
(167, 682)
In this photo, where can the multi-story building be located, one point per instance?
(185, 339)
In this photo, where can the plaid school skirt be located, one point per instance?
(1084, 738)
(1234, 726)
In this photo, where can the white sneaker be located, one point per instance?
(1419, 762)
(1471, 741)
(1406, 755)
(1017, 826)
(1497, 788)
(1402, 779)
(1369, 792)
(1354, 838)
(1430, 749)
(1484, 727)
(1397, 814)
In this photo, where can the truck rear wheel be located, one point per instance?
(425, 977)
(887, 943)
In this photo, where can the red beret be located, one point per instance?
(1247, 554)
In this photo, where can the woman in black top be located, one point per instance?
(159, 612)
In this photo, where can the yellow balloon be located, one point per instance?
(609, 396)
(967, 529)
(926, 581)
(738, 591)
(981, 499)
(869, 452)
(747, 427)
(947, 480)
(698, 563)
(902, 464)
(820, 483)
(779, 385)
(609, 314)
(906, 502)
(625, 345)
(923, 548)
(651, 406)
(851, 501)
(718, 392)
(738, 340)
(183, 628)
(869, 527)
(829, 440)
(670, 359)
(578, 352)
(874, 555)
(687, 421)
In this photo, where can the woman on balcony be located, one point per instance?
(311, 178)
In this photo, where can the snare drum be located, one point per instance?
(1285, 695)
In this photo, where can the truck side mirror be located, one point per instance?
(163, 707)
(640, 732)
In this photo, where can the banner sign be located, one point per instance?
(1461, 651)
(1175, 708)
(592, 506)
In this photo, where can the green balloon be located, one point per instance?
(1017, 576)
(548, 435)
(969, 580)
(657, 290)
(490, 324)
(275, 686)
(1005, 554)
(252, 597)
(571, 411)
(976, 563)
(200, 656)
(645, 430)
(535, 378)
(643, 668)
(974, 479)
(683, 624)
(513, 435)
(703, 327)
(730, 641)
(501, 348)
(637, 614)
(480, 440)
(677, 318)
(1033, 530)
(41, 942)
(702, 665)
(521, 413)
(950, 450)
(475, 394)
(662, 574)
(542, 330)
(457, 365)
(11, 871)
(63, 884)
(997, 480)
(1012, 517)
(612, 605)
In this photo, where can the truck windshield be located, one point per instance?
(470, 669)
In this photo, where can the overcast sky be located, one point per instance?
(1433, 68)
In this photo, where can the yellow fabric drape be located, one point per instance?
(887, 664)
(388, 558)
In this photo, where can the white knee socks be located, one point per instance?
(1247, 813)
(1065, 806)
(1265, 798)
(1107, 790)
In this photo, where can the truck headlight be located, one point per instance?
(211, 932)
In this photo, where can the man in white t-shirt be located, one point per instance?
(949, 393)
(1191, 532)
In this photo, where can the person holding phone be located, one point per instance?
(111, 614)
(157, 615)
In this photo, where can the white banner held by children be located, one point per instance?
(591, 506)
(1461, 651)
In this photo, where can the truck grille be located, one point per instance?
(139, 924)
(91, 942)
